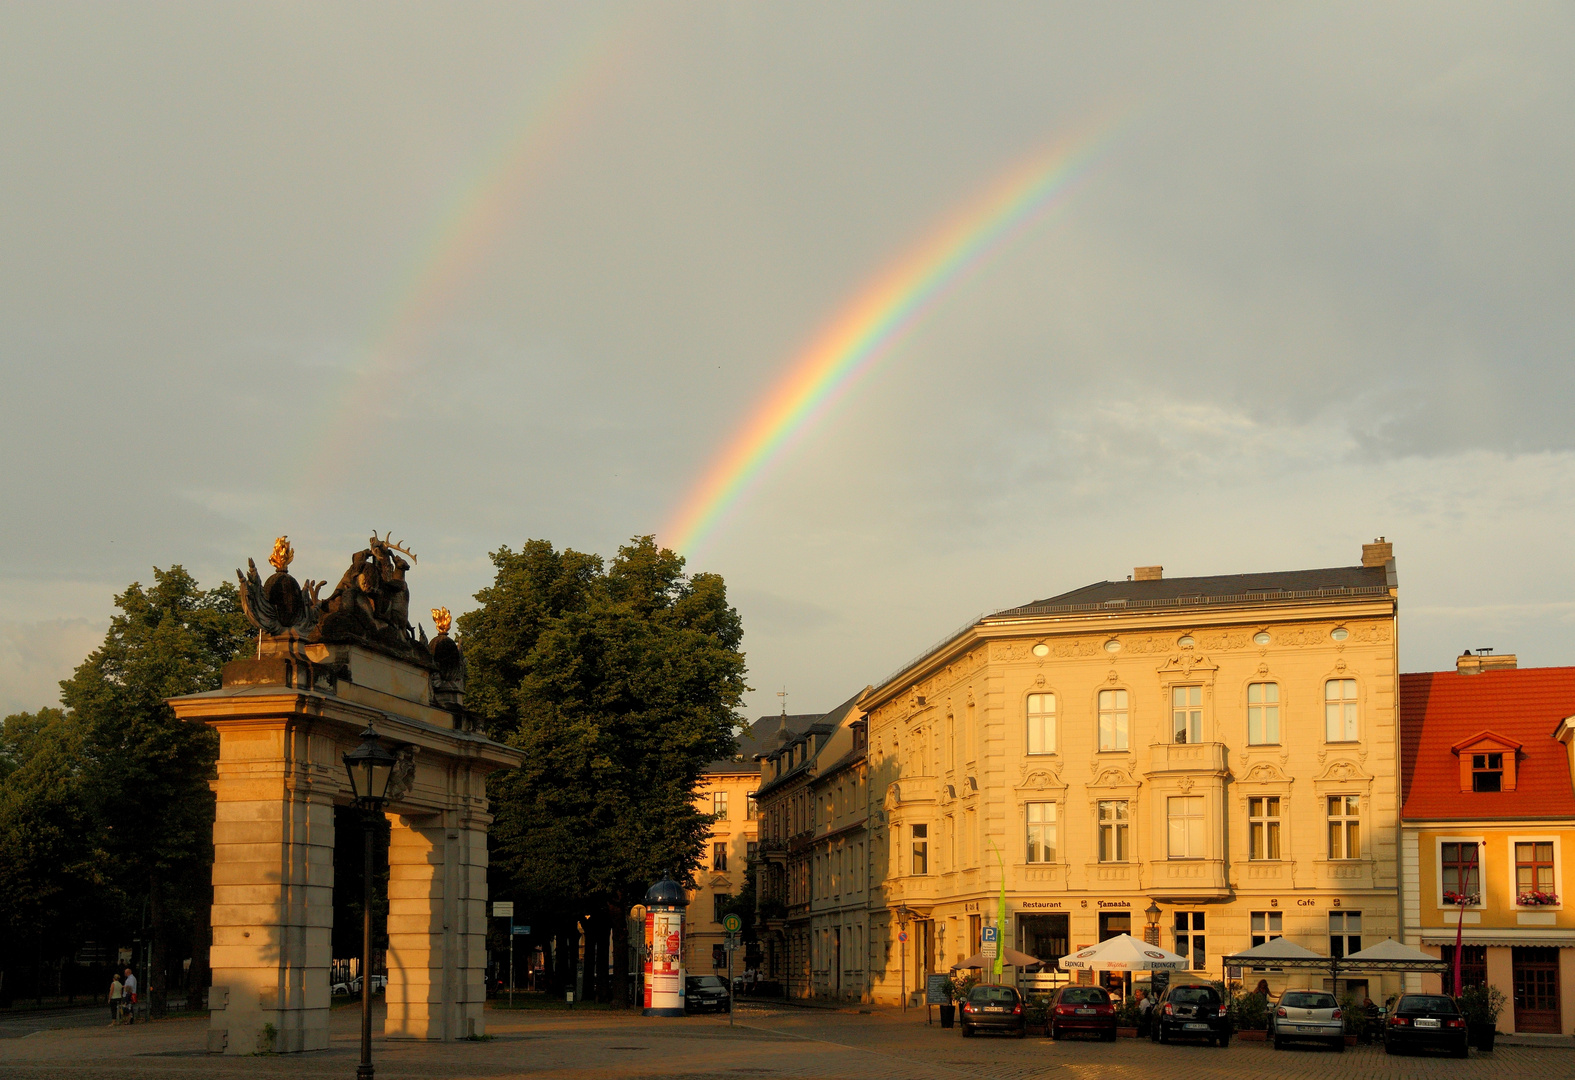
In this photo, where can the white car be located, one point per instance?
(1307, 1014)
(353, 986)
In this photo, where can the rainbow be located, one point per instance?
(462, 230)
(869, 327)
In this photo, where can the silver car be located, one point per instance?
(1307, 1014)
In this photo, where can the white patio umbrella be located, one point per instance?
(1124, 953)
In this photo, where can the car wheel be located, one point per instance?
(1224, 1040)
(1464, 1051)
(1389, 1047)
(1279, 1043)
(1022, 1032)
(967, 1032)
(1339, 1046)
(1164, 1036)
(1109, 1036)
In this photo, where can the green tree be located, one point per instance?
(620, 682)
(145, 773)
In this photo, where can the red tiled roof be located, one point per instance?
(1439, 709)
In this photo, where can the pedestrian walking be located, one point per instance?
(117, 990)
(128, 997)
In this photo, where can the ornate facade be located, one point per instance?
(1223, 750)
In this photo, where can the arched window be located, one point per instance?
(1041, 723)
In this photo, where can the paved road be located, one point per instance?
(766, 1043)
(17, 1025)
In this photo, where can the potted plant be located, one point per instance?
(1482, 1004)
(1127, 1019)
(1036, 1013)
(1353, 1017)
(1250, 1013)
(949, 1007)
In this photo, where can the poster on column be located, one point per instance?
(667, 952)
(650, 923)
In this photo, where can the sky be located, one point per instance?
(485, 273)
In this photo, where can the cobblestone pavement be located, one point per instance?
(765, 1043)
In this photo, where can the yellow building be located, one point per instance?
(726, 790)
(1489, 815)
(1220, 749)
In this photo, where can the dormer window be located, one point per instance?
(1487, 762)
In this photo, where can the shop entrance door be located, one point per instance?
(1536, 976)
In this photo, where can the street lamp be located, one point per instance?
(1152, 911)
(371, 768)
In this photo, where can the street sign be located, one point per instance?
(521, 930)
(903, 936)
(990, 949)
(989, 935)
(503, 909)
(732, 924)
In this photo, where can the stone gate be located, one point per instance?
(324, 670)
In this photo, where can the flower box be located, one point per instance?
(1126, 1033)
(1248, 1035)
(1534, 898)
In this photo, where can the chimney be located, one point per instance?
(1147, 573)
(1378, 553)
(1469, 663)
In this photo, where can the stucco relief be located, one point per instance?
(1266, 772)
(1040, 780)
(1343, 770)
(1370, 633)
(1186, 663)
(1229, 640)
(1145, 645)
(1112, 776)
(1302, 635)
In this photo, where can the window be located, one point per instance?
(719, 857)
(1263, 713)
(1345, 840)
(1461, 867)
(751, 851)
(1185, 814)
(1534, 872)
(751, 808)
(1186, 714)
(921, 849)
(1112, 719)
(1339, 710)
(1189, 938)
(1113, 830)
(1041, 723)
(1487, 772)
(719, 805)
(1041, 832)
(1266, 926)
(1263, 827)
(719, 905)
(1473, 965)
(1345, 933)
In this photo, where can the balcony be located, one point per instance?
(1189, 879)
(1205, 757)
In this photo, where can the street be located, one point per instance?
(766, 1042)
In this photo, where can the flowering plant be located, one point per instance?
(1537, 898)
(1465, 899)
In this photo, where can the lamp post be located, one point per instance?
(371, 768)
(1152, 913)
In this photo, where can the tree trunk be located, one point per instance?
(593, 958)
(157, 948)
(620, 957)
(564, 959)
(198, 977)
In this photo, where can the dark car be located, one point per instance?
(1085, 1009)
(705, 993)
(993, 1008)
(1191, 1011)
(1426, 1022)
(1307, 1014)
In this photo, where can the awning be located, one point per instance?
(1391, 955)
(1280, 953)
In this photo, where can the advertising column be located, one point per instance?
(664, 983)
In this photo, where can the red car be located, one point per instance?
(1086, 1009)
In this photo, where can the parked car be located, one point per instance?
(1426, 1022)
(353, 986)
(706, 993)
(1086, 1009)
(993, 1008)
(1307, 1014)
(1191, 1011)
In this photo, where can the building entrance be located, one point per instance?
(1044, 937)
(1536, 977)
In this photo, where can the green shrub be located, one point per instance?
(1482, 1003)
(1127, 1014)
(1249, 1011)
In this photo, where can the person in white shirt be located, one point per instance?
(116, 991)
(129, 997)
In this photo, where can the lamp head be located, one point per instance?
(371, 769)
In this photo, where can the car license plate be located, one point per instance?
(1307, 1027)
(1085, 1012)
(1197, 1027)
(1427, 1022)
(995, 1008)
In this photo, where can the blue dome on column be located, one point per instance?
(666, 893)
